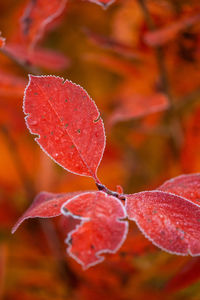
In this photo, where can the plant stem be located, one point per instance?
(103, 188)
(158, 53)
(171, 118)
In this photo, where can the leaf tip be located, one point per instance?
(15, 227)
(13, 230)
(30, 76)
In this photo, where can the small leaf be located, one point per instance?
(111, 63)
(161, 36)
(37, 15)
(100, 231)
(41, 57)
(187, 186)
(63, 115)
(138, 106)
(45, 205)
(170, 222)
(112, 44)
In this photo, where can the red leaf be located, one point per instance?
(103, 3)
(39, 57)
(171, 222)
(67, 121)
(101, 229)
(187, 186)
(111, 63)
(112, 44)
(67, 224)
(38, 14)
(164, 35)
(138, 106)
(45, 205)
(185, 277)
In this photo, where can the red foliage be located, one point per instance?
(187, 186)
(45, 205)
(62, 111)
(37, 15)
(138, 106)
(186, 276)
(100, 230)
(64, 115)
(39, 57)
(169, 221)
(140, 60)
(164, 35)
(113, 45)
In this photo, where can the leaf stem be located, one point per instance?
(103, 188)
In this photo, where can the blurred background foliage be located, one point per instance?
(140, 62)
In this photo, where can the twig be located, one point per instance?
(187, 100)
(103, 188)
(171, 117)
(159, 54)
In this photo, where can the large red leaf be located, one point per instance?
(101, 229)
(45, 205)
(171, 222)
(38, 14)
(187, 186)
(67, 121)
